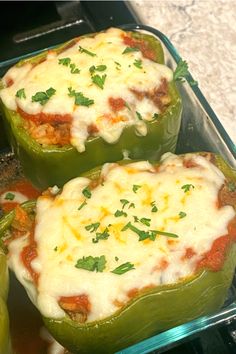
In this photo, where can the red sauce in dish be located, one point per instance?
(45, 117)
(141, 45)
(23, 186)
(9, 81)
(215, 257)
(28, 254)
(116, 104)
(79, 303)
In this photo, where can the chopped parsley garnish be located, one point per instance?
(145, 221)
(55, 249)
(82, 205)
(43, 97)
(83, 50)
(101, 236)
(99, 80)
(151, 234)
(187, 187)
(155, 116)
(80, 99)
(92, 264)
(64, 61)
(92, 227)
(86, 192)
(67, 62)
(130, 50)
(182, 214)
(116, 62)
(21, 93)
(136, 187)
(138, 63)
(128, 106)
(181, 71)
(120, 213)
(116, 258)
(231, 186)
(123, 268)
(154, 207)
(139, 116)
(94, 68)
(131, 205)
(193, 83)
(9, 196)
(124, 202)
(74, 69)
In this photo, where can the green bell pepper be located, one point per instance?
(49, 165)
(4, 320)
(151, 311)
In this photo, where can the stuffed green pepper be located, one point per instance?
(92, 100)
(127, 250)
(4, 320)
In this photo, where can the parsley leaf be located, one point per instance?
(145, 221)
(21, 93)
(124, 202)
(101, 236)
(139, 116)
(130, 50)
(43, 97)
(86, 192)
(182, 214)
(64, 61)
(151, 234)
(9, 196)
(92, 227)
(120, 213)
(92, 263)
(187, 187)
(181, 71)
(74, 69)
(154, 207)
(82, 205)
(155, 116)
(94, 68)
(83, 50)
(138, 63)
(131, 205)
(123, 268)
(80, 99)
(136, 187)
(99, 80)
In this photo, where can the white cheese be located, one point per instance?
(121, 76)
(62, 238)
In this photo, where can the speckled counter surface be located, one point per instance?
(204, 33)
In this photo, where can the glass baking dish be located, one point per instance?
(200, 131)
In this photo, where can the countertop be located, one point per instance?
(204, 33)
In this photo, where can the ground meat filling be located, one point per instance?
(49, 133)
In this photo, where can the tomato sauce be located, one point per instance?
(141, 45)
(116, 104)
(22, 186)
(41, 117)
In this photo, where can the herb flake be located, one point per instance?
(43, 97)
(86, 192)
(136, 187)
(181, 71)
(123, 268)
(99, 80)
(86, 51)
(80, 99)
(21, 93)
(138, 63)
(92, 264)
(187, 187)
(9, 196)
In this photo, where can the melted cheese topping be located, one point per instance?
(191, 213)
(122, 75)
